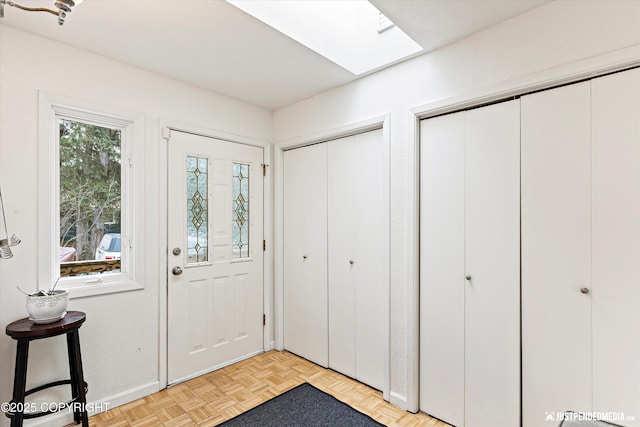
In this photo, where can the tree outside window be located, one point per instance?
(90, 187)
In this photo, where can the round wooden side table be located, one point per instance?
(24, 331)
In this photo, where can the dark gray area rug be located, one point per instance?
(303, 406)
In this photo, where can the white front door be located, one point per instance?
(215, 255)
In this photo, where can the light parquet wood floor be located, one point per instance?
(218, 396)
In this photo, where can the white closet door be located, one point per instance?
(356, 257)
(616, 244)
(294, 306)
(315, 251)
(342, 290)
(305, 253)
(369, 258)
(442, 280)
(556, 252)
(492, 259)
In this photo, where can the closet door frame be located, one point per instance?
(353, 128)
(569, 73)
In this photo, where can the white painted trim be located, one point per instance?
(212, 133)
(163, 206)
(46, 187)
(66, 418)
(413, 265)
(268, 294)
(384, 122)
(163, 248)
(584, 69)
(278, 240)
(568, 73)
(386, 268)
(51, 105)
(360, 126)
(130, 395)
(399, 400)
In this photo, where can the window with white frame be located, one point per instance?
(90, 197)
(88, 190)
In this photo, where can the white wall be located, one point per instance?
(120, 339)
(523, 49)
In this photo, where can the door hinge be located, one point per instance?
(264, 320)
(264, 169)
(264, 245)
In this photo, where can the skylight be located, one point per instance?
(353, 34)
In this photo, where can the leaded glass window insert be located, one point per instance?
(197, 210)
(240, 215)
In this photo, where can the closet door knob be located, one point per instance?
(351, 261)
(468, 277)
(584, 290)
(304, 257)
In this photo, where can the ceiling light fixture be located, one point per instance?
(63, 6)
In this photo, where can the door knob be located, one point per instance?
(176, 271)
(351, 261)
(304, 257)
(468, 277)
(584, 290)
(176, 251)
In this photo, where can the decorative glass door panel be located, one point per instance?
(240, 212)
(197, 209)
(215, 304)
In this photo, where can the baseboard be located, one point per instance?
(65, 417)
(130, 395)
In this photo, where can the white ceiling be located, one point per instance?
(213, 45)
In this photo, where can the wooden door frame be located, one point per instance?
(353, 128)
(167, 126)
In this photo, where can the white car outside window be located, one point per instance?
(109, 247)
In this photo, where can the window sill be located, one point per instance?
(99, 286)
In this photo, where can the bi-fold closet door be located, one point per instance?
(305, 253)
(581, 251)
(335, 256)
(357, 257)
(470, 266)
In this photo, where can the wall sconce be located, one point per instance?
(8, 241)
(63, 6)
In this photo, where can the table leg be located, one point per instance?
(20, 382)
(77, 379)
